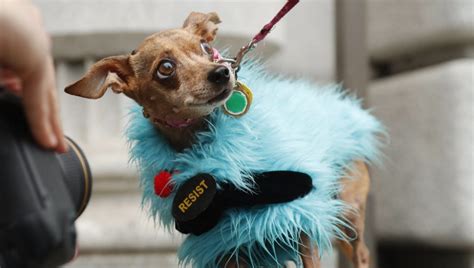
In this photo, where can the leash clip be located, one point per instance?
(242, 52)
(263, 33)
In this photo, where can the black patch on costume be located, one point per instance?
(194, 197)
(271, 187)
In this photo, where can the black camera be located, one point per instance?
(42, 193)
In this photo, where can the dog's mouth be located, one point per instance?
(224, 94)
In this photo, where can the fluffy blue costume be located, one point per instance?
(292, 125)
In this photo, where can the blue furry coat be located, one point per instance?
(292, 125)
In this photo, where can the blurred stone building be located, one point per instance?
(411, 60)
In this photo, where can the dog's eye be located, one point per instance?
(165, 69)
(206, 48)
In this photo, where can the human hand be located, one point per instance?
(26, 68)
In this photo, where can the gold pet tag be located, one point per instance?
(240, 100)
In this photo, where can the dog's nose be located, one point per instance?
(219, 75)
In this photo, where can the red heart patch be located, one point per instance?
(163, 187)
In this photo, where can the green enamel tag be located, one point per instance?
(236, 103)
(239, 102)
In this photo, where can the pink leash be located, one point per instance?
(263, 32)
(269, 26)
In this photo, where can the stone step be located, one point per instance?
(425, 191)
(146, 260)
(396, 27)
(97, 28)
(125, 260)
(115, 222)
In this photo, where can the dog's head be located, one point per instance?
(172, 74)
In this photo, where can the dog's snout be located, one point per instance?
(219, 75)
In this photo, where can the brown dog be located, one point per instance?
(173, 77)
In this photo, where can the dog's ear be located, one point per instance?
(112, 72)
(204, 25)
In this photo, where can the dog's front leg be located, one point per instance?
(309, 254)
(355, 190)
